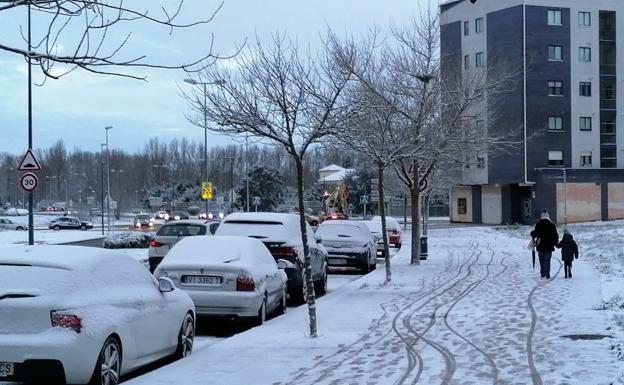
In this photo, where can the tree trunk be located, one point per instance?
(415, 200)
(382, 213)
(307, 264)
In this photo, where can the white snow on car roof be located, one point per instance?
(61, 257)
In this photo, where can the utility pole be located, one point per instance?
(108, 194)
(102, 183)
(247, 171)
(31, 221)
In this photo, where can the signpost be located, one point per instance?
(29, 182)
(364, 200)
(374, 196)
(29, 162)
(206, 191)
(256, 202)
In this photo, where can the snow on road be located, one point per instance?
(474, 313)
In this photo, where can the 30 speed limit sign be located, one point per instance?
(29, 181)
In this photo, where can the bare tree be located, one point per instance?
(88, 25)
(288, 99)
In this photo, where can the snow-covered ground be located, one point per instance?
(474, 313)
(49, 237)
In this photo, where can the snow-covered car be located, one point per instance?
(82, 315)
(7, 224)
(162, 215)
(171, 233)
(281, 234)
(375, 230)
(143, 220)
(178, 216)
(13, 212)
(348, 244)
(69, 223)
(393, 227)
(227, 276)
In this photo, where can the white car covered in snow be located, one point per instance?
(281, 234)
(7, 224)
(83, 315)
(227, 276)
(348, 244)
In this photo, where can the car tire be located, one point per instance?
(56, 228)
(281, 308)
(186, 337)
(320, 286)
(314, 223)
(83, 227)
(108, 366)
(399, 245)
(262, 313)
(373, 266)
(19, 228)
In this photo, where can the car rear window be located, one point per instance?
(339, 230)
(181, 230)
(256, 229)
(142, 217)
(17, 278)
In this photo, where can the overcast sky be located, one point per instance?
(77, 107)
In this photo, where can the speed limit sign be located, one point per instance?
(29, 181)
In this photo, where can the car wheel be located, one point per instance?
(186, 337)
(83, 227)
(19, 228)
(108, 367)
(399, 245)
(320, 286)
(281, 308)
(261, 317)
(314, 223)
(373, 266)
(56, 228)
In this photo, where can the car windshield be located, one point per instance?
(181, 230)
(341, 230)
(143, 217)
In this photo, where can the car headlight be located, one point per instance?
(177, 217)
(166, 217)
(210, 216)
(221, 216)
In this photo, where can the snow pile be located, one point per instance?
(128, 240)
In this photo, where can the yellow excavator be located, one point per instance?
(336, 202)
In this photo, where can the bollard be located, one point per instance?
(423, 247)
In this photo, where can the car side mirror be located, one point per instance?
(165, 285)
(283, 264)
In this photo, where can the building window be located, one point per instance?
(479, 25)
(586, 159)
(555, 123)
(554, 17)
(555, 158)
(555, 88)
(555, 52)
(480, 59)
(584, 19)
(480, 162)
(585, 89)
(585, 54)
(462, 204)
(585, 123)
(466, 62)
(466, 28)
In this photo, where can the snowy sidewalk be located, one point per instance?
(474, 313)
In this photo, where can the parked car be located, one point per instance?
(349, 244)
(281, 234)
(143, 220)
(171, 233)
(69, 223)
(375, 229)
(7, 224)
(393, 227)
(85, 315)
(14, 212)
(227, 276)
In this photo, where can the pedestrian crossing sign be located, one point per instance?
(206, 190)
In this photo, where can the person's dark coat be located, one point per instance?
(545, 236)
(569, 249)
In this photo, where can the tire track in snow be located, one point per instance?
(535, 376)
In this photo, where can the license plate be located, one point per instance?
(338, 261)
(201, 280)
(6, 369)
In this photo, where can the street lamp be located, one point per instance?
(218, 82)
(102, 182)
(108, 197)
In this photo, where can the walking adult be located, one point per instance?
(545, 238)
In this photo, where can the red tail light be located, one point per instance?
(63, 320)
(282, 251)
(245, 283)
(153, 243)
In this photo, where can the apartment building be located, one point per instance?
(565, 108)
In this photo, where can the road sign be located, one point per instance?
(364, 200)
(29, 162)
(256, 201)
(29, 182)
(422, 185)
(206, 192)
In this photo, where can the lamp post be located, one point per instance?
(247, 170)
(108, 196)
(204, 84)
(102, 183)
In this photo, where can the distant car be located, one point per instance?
(69, 223)
(143, 220)
(375, 229)
(94, 212)
(92, 316)
(348, 244)
(312, 220)
(7, 224)
(227, 276)
(171, 233)
(393, 227)
(281, 234)
(162, 215)
(335, 215)
(178, 216)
